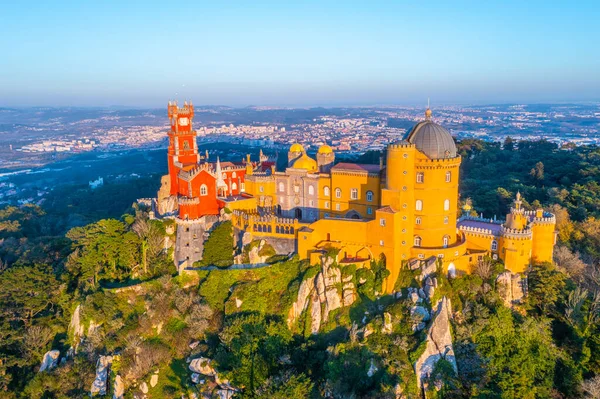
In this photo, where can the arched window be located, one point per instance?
(417, 241)
(203, 190)
(233, 186)
(311, 190)
(417, 220)
(281, 187)
(233, 175)
(419, 205)
(447, 205)
(448, 177)
(494, 245)
(446, 241)
(445, 219)
(224, 175)
(338, 193)
(186, 145)
(420, 177)
(326, 191)
(354, 193)
(369, 196)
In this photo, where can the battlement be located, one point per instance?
(515, 233)
(401, 145)
(476, 230)
(188, 201)
(479, 219)
(186, 110)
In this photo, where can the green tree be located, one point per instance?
(218, 248)
(545, 287)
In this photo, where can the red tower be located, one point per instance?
(183, 149)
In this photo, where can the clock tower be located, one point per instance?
(183, 149)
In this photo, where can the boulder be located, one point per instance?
(414, 297)
(144, 387)
(333, 301)
(225, 393)
(238, 303)
(195, 378)
(510, 287)
(202, 366)
(428, 290)
(419, 313)
(372, 369)
(75, 325)
(428, 268)
(50, 360)
(194, 344)
(153, 380)
(349, 294)
(99, 386)
(118, 388)
(387, 323)
(438, 344)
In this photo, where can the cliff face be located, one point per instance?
(438, 344)
(327, 291)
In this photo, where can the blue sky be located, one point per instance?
(239, 53)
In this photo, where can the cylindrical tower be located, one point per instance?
(435, 178)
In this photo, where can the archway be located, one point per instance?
(298, 213)
(353, 215)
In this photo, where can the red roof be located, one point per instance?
(357, 167)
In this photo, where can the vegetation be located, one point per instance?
(117, 271)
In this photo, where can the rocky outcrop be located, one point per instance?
(510, 287)
(325, 292)
(99, 386)
(438, 344)
(50, 360)
(118, 388)
(202, 366)
(154, 379)
(166, 203)
(75, 326)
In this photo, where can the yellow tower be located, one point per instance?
(435, 178)
(544, 236)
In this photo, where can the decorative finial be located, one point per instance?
(428, 110)
(518, 196)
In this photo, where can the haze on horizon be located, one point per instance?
(138, 53)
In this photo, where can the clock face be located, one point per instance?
(184, 121)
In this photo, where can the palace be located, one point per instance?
(405, 211)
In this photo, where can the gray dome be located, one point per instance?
(432, 140)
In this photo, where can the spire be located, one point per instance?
(220, 182)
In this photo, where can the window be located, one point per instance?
(261, 189)
(326, 191)
(447, 205)
(419, 205)
(311, 190)
(369, 196)
(420, 177)
(326, 204)
(445, 219)
(281, 187)
(421, 256)
(417, 220)
(326, 214)
(233, 175)
(494, 245)
(243, 187)
(311, 203)
(381, 243)
(203, 190)
(224, 176)
(446, 241)
(448, 177)
(338, 193)
(296, 189)
(369, 210)
(281, 200)
(382, 222)
(186, 145)
(233, 186)
(354, 194)
(417, 241)
(337, 207)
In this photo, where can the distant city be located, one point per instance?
(35, 136)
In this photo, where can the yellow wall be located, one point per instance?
(543, 242)
(363, 182)
(516, 253)
(253, 185)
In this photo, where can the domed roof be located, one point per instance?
(325, 149)
(296, 147)
(432, 139)
(305, 162)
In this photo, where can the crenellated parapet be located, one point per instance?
(265, 224)
(401, 145)
(188, 201)
(477, 231)
(516, 234)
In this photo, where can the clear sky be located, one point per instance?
(143, 53)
